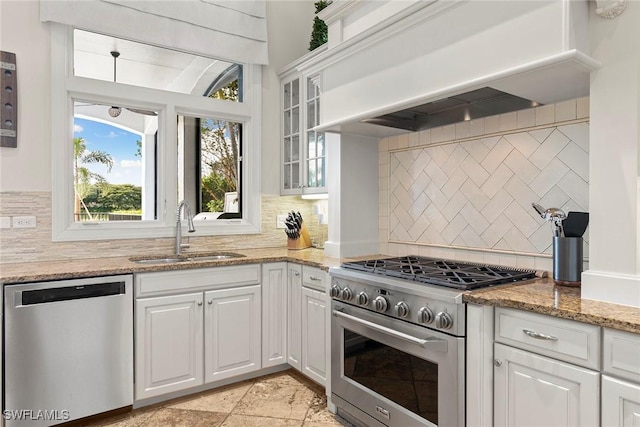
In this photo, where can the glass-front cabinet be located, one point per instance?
(303, 149)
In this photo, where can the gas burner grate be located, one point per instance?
(441, 272)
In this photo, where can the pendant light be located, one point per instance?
(114, 111)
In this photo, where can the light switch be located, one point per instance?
(5, 222)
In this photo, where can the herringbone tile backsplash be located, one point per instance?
(477, 193)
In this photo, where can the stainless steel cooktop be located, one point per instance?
(441, 272)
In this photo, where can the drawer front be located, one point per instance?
(561, 339)
(181, 281)
(621, 353)
(314, 278)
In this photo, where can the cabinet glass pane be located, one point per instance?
(317, 111)
(320, 144)
(311, 147)
(311, 89)
(311, 180)
(295, 175)
(295, 149)
(287, 123)
(295, 120)
(287, 95)
(320, 173)
(286, 172)
(295, 92)
(287, 150)
(311, 115)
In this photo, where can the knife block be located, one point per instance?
(302, 242)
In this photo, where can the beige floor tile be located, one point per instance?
(235, 420)
(272, 399)
(289, 377)
(131, 419)
(168, 417)
(219, 400)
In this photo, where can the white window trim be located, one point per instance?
(65, 86)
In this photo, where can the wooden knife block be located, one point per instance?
(302, 242)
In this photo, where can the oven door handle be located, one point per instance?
(436, 344)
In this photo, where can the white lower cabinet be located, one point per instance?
(532, 390)
(274, 314)
(620, 403)
(294, 313)
(169, 347)
(314, 334)
(183, 340)
(231, 332)
(307, 331)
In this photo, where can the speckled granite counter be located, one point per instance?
(542, 296)
(77, 268)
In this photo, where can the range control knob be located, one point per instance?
(425, 315)
(444, 320)
(335, 291)
(347, 294)
(402, 309)
(362, 298)
(380, 304)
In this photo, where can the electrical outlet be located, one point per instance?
(5, 222)
(280, 221)
(24, 222)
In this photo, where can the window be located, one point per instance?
(150, 127)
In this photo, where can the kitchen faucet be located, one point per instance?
(187, 211)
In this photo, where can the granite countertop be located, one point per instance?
(539, 296)
(90, 267)
(544, 297)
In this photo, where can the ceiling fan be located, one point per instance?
(115, 111)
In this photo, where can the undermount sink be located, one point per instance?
(190, 258)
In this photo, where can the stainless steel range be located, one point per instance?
(398, 338)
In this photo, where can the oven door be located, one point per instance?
(395, 372)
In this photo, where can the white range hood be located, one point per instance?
(388, 56)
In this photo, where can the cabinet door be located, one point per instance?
(168, 350)
(315, 147)
(291, 143)
(231, 332)
(274, 314)
(294, 311)
(314, 334)
(532, 390)
(620, 403)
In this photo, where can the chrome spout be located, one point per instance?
(183, 206)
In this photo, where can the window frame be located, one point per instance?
(65, 87)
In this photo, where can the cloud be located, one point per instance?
(130, 163)
(77, 128)
(112, 134)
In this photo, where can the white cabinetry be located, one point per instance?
(294, 312)
(315, 312)
(620, 379)
(307, 334)
(537, 380)
(274, 314)
(303, 149)
(231, 332)
(195, 327)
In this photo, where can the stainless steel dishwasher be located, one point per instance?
(68, 349)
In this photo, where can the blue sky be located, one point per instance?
(119, 143)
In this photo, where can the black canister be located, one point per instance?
(567, 260)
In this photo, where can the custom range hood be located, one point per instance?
(470, 105)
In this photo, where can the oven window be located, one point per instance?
(403, 378)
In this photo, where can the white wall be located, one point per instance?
(614, 273)
(28, 167)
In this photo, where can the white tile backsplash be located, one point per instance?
(472, 199)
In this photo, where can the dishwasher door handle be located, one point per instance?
(67, 293)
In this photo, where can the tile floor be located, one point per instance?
(283, 399)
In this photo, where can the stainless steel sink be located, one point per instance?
(192, 258)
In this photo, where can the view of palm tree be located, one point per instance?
(84, 179)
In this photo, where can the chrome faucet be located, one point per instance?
(187, 211)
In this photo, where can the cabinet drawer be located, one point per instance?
(181, 281)
(621, 354)
(314, 278)
(561, 339)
